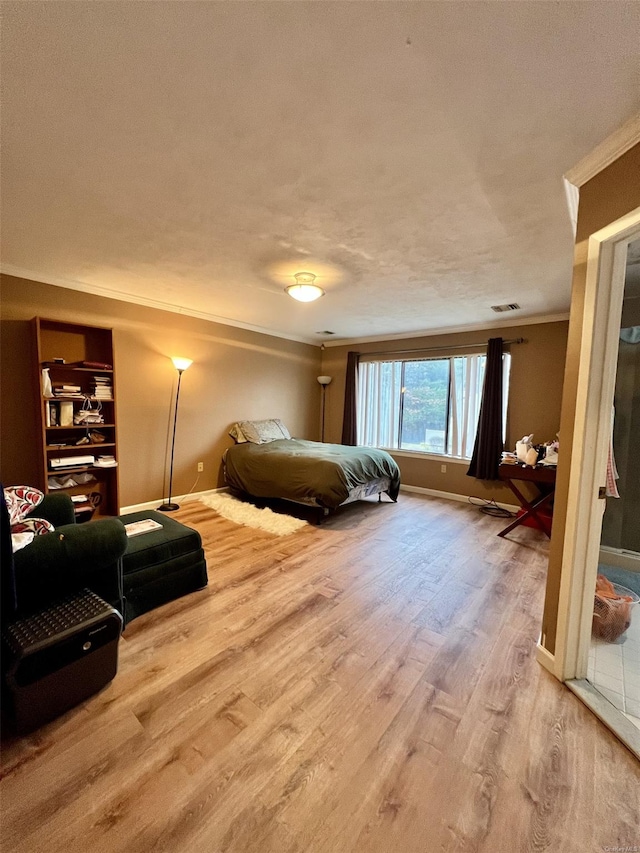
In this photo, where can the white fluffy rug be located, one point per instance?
(245, 513)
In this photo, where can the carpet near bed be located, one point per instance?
(242, 512)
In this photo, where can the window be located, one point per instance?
(428, 405)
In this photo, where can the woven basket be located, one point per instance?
(612, 616)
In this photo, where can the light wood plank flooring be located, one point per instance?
(366, 686)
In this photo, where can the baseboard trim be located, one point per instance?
(607, 713)
(619, 558)
(450, 496)
(181, 499)
(546, 659)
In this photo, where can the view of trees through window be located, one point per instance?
(425, 405)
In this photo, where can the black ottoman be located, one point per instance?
(160, 565)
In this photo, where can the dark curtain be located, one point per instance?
(349, 423)
(488, 445)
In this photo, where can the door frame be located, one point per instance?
(606, 263)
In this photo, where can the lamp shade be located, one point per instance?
(181, 363)
(324, 380)
(304, 290)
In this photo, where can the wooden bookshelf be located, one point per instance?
(75, 343)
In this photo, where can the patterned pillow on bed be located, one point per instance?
(261, 432)
(237, 435)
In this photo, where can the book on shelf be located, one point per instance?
(52, 414)
(66, 414)
(71, 461)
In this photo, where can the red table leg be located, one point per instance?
(531, 508)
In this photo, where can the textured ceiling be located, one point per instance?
(410, 154)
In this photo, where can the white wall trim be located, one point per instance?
(572, 194)
(451, 496)
(546, 659)
(180, 499)
(121, 296)
(604, 154)
(505, 323)
(433, 457)
(608, 714)
(619, 558)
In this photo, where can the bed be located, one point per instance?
(308, 472)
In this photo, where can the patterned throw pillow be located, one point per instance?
(37, 526)
(261, 432)
(20, 501)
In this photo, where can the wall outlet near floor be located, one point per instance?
(200, 467)
(443, 469)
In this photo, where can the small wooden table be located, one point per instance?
(544, 478)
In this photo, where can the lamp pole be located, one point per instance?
(181, 364)
(324, 381)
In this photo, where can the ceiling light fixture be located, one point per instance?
(304, 290)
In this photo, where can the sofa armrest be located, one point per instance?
(56, 508)
(73, 557)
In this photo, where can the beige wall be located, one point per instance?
(534, 399)
(236, 374)
(608, 196)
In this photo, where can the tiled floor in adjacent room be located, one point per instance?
(614, 669)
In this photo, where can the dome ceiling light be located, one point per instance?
(304, 290)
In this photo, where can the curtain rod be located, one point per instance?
(444, 347)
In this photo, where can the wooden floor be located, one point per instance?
(368, 686)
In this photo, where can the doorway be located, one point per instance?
(614, 652)
(599, 350)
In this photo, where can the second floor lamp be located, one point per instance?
(324, 381)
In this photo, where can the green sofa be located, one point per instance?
(71, 558)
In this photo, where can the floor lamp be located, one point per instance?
(324, 381)
(180, 364)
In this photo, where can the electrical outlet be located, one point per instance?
(200, 467)
(443, 469)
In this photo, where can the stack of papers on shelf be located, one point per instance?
(74, 391)
(106, 462)
(101, 388)
(136, 528)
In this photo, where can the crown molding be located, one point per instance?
(452, 330)
(121, 296)
(614, 146)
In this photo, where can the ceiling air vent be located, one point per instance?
(512, 306)
(325, 332)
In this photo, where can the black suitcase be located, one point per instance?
(57, 658)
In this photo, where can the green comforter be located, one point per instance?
(298, 470)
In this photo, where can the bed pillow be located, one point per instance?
(262, 432)
(236, 434)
